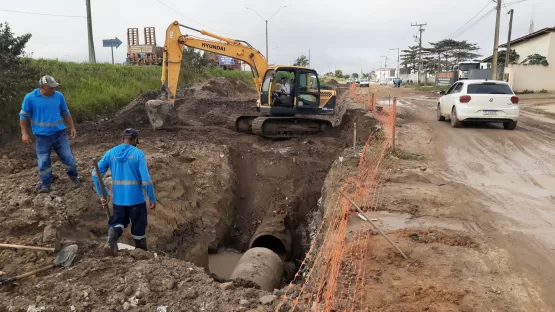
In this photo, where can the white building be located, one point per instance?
(532, 77)
(386, 74)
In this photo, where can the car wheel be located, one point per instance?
(439, 117)
(455, 122)
(509, 125)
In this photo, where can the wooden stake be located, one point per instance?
(374, 224)
(355, 137)
(394, 126)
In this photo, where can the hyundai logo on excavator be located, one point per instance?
(213, 46)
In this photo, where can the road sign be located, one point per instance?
(111, 43)
(226, 60)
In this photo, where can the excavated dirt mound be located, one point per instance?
(332, 82)
(205, 104)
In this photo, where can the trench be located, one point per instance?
(277, 188)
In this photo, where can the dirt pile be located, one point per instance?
(135, 280)
(332, 82)
(205, 104)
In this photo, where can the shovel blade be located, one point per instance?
(65, 257)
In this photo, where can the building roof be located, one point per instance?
(522, 39)
(531, 36)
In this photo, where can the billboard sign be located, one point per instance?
(226, 60)
(444, 79)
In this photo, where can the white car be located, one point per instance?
(479, 101)
(383, 82)
(364, 83)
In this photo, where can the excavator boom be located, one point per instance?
(176, 41)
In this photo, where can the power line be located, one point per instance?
(470, 20)
(476, 21)
(43, 14)
(176, 11)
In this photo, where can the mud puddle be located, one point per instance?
(223, 262)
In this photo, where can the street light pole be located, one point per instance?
(266, 21)
(398, 62)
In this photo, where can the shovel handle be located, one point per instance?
(46, 268)
(26, 247)
(16, 278)
(102, 188)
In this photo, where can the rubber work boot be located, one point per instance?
(44, 189)
(111, 246)
(140, 243)
(75, 182)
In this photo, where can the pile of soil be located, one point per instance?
(332, 82)
(204, 104)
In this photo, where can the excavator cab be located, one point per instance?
(304, 96)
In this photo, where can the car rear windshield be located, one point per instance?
(489, 88)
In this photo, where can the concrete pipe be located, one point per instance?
(274, 235)
(260, 266)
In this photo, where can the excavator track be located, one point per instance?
(288, 127)
(241, 123)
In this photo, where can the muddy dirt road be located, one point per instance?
(505, 183)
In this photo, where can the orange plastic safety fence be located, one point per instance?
(332, 277)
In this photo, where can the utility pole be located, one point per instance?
(421, 30)
(385, 66)
(266, 21)
(508, 52)
(92, 57)
(496, 42)
(398, 61)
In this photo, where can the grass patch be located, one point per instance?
(244, 76)
(93, 90)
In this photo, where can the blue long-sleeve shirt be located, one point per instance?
(45, 112)
(129, 175)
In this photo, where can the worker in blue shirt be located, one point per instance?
(129, 178)
(46, 110)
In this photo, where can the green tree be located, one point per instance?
(17, 78)
(409, 58)
(338, 73)
(301, 61)
(513, 56)
(535, 59)
(447, 53)
(355, 75)
(346, 76)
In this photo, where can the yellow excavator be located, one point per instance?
(283, 112)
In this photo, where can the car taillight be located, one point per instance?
(514, 99)
(465, 99)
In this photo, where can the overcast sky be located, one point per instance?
(348, 35)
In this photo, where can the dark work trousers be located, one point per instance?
(137, 214)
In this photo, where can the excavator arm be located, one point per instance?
(175, 43)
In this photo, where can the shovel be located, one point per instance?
(57, 246)
(102, 190)
(63, 259)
